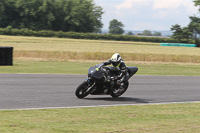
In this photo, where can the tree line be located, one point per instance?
(56, 15)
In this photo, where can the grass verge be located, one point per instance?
(169, 118)
(54, 67)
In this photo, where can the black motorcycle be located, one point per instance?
(103, 81)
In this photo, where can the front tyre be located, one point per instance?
(82, 90)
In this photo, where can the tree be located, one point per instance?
(186, 33)
(64, 15)
(157, 34)
(35, 14)
(196, 3)
(191, 32)
(147, 33)
(130, 33)
(8, 13)
(181, 34)
(84, 16)
(194, 27)
(177, 32)
(116, 27)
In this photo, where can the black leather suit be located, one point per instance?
(120, 70)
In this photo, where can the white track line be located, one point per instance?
(71, 107)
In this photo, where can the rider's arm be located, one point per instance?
(123, 75)
(105, 63)
(123, 71)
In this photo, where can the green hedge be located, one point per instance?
(75, 35)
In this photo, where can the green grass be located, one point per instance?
(53, 67)
(171, 118)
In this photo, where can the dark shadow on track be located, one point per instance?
(121, 99)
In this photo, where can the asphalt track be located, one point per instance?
(22, 91)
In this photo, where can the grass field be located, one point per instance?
(73, 49)
(71, 56)
(170, 118)
(59, 55)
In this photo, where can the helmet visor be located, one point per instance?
(115, 63)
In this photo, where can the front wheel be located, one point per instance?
(83, 90)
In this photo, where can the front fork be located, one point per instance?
(90, 85)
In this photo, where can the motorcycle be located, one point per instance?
(102, 81)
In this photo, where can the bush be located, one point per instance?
(76, 35)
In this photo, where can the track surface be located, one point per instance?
(20, 91)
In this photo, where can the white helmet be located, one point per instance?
(116, 60)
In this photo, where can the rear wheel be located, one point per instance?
(118, 93)
(83, 90)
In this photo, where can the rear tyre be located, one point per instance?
(82, 90)
(115, 95)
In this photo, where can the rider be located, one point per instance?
(119, 68)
